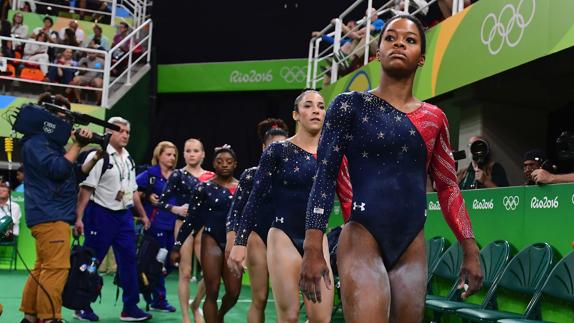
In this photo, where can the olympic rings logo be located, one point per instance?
(293, 74)
(498, 28)
(510, 202)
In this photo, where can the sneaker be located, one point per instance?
(86, 316)
(134, 315)
(163, 307)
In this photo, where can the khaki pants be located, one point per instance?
(51, 270)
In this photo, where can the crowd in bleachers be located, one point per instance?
(42, 62)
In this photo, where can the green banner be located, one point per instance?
(485, 39)
(522, 215)
(281, 74)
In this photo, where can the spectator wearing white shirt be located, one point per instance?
(38, 53)
(9, 208)
(19, 29)
(73, 24)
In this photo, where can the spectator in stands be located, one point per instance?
(78, 32)
(89, 78)
(123, 31)
(20, 178)
(19, 29)
(375, 28)
(533, 159)
(53, 36)
(38, 53)
(98, 35)
(95, 5)
(482, 172)
(69, 38)
(64, 73)
(28, 6)
(9, 208)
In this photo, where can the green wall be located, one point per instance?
(135, 107)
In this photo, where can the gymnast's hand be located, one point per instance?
(313, 269)
(470, 272)
(236, 259)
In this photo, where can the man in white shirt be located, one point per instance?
(9, 208)
(103, 214)
(73, 24)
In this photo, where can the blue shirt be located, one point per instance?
(159, 217)
(378, 24)
(51, 188)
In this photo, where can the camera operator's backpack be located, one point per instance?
(84, 284)
(148, 268)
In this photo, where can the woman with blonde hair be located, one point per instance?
(150, 185)
(175, 198)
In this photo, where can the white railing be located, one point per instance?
(137, 9)
(318, 58)
(121, 63)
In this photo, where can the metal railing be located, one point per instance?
(121, 63)
(137, 9)
(333, 52)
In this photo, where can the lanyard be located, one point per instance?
(121, 170)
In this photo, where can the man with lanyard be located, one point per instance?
(11, 209)
(103, 213)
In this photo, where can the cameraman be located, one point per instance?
(565, 152)
(51, 193)
(533, 159)
(482, 172)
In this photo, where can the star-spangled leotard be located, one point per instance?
(285, 175)
(238, 204)
(389, 153)
(180, 185)
(210, 202)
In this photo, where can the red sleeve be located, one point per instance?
(344, 189)
(443, 172)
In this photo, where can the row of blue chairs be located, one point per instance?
(530, 277)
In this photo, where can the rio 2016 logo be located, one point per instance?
(544, 203)
(507, 27)
(483, 204)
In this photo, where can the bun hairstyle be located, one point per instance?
(299, 98)
(416, 21)
(224, 149)
(272, 127)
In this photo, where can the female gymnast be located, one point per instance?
(286, 172)
(179, 186)
(269, 130)
(392, 141)
(211, 201)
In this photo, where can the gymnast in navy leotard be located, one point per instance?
(390, 147)
(211, 200)
(269, 130)
(286, 171)
(179, 186)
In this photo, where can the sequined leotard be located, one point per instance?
(389, 153)
(285, 175)
(240, 199)
(210, 202)
(180, 184)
